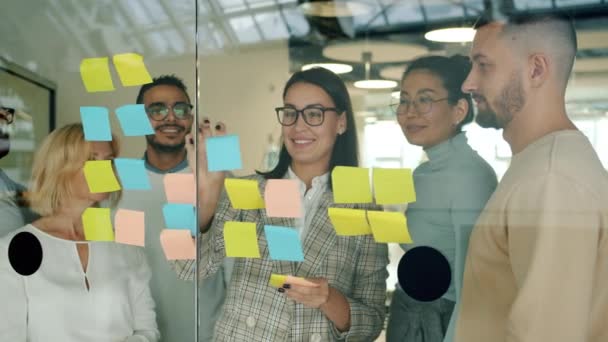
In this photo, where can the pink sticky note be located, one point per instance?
(178, 244)
(282, 198)
(180, 188)
(130, 227)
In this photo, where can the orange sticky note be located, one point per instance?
(241, 240)
(349, 222)
(97, 224)
(351, 185)
(277, 280)
(130, 227)
(244, 193)
(95, 74)
(389, 227)
(180, 188)
(100, 176)
(131, 69)
(394, 186)
(178, 244)
(282, 198)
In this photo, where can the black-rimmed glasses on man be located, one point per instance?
(313, 116)
(422, 105)
(158, 111)
(7, 114)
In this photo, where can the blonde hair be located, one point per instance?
(60, 157)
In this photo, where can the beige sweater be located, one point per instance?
(537, 266)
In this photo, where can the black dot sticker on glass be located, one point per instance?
(424, 273)
(25, 253)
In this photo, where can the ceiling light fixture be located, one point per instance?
(451, 35)
(367, 83)
(333, 8)
(336, 68)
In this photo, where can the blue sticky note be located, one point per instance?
(134, 120)
(283, 243)
(180, 216)
(223, 153)
(132, 174)
(96, 123)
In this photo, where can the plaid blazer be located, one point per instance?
(255, 311)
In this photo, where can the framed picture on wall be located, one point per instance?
(33, 100)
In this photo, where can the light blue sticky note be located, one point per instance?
(134, 120)
(180, 216)
(132, 174)
(283, 243)
(96, 123)
(223, 153)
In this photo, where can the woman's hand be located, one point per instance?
(204, 131)
(329, 300)
(312, 297)
(210, 183)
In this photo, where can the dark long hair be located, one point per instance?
(345, 151)
(452, 71)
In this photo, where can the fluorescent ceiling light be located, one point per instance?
(331, 9)
(451, 35)
(375, 84)
(337, 68)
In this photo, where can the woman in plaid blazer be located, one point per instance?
(348, 300)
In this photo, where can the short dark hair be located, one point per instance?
(170, 80)
(345, 151)
(557, 27)
(452, 71)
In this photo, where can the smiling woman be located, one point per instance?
(452, 188)
(348, 274)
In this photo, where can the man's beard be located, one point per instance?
(5, 144)
(164, 148)
(510, 101)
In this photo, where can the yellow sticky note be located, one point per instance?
(244, 193)
(97, 224)
(277, 280)
(241, 240)
(131, 69)
(349, 222)
(394, 186)
(95, 74)
(389, 227)
(351, 185)
(100, 176)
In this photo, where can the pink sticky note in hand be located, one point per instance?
(282, 197)
(130, 227)
(180, 188)
(178, 244)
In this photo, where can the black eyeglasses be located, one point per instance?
(159, 111)
(422, 105)
(313, 116)
(8, 114)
